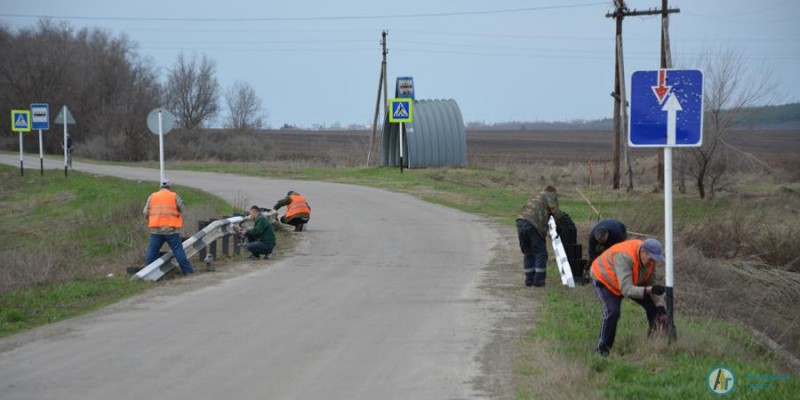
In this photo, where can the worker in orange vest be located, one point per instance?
(298, 212)
(627, 269)
(163, 212)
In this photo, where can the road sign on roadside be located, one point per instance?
(167, 121)
(666, 108)
(401, 110)
(404, 87)
(40, 115)
(64, 114)
(20, 121)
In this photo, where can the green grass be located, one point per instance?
(639, 367)
(24, 309)
(98, 213)
(67, 234)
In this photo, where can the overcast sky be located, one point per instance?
(318, 61)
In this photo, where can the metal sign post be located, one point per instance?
(161, 145)
(402, 128)
(160, 122)
(64, 117)
(40, 119)
(20, 122)
(667, 111)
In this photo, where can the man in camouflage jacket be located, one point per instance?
(532, 230)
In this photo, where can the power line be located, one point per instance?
(294, 19)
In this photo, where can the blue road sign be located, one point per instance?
(20, 121)
(404, 87)
(666, 108)
(40, 116)
(401, 110)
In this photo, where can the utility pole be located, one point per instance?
(381, 84)
(620, 105)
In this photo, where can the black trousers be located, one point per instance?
(611, 313)
(534, 251)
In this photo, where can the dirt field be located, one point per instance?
(498, 147)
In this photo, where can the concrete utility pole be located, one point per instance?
(620, 105)
(382, 82)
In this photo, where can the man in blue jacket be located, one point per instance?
(605, 234)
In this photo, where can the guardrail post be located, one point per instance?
(200, 226)
(212, 247)
(225, 241)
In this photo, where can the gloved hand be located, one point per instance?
(657, 290)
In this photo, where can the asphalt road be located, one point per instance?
(382, 300)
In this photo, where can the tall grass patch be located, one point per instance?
(56, 229)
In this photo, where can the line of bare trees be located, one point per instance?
(110, 89)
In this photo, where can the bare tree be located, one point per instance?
(244, 107)
(102, 79)
(731, 91)
(193, 91)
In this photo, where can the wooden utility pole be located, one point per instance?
(620, 105)
(382, 83)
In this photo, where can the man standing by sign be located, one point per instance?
(667, 111)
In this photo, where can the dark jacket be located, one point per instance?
(262, 231)
(616, 233)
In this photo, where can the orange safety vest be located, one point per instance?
(297, 206)
(163, 210)
(603, 266)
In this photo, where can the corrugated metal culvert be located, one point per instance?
(435, 138)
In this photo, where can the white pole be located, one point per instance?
(41, 154)
(64, 113)
(668, 240)
(21, 168)
(402, 127)
(161, 145)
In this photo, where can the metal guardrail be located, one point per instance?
(215, 230)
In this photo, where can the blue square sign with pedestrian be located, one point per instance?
(666, 108)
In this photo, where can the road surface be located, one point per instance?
(381, 300)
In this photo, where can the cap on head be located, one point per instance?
(291, 192)
(166, 183)
(653, 247)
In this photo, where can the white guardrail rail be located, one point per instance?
(215, 230)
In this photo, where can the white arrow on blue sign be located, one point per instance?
(666, 108)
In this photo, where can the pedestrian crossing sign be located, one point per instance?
(401, 110)
(20, 120)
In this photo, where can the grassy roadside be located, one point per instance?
(66, 243)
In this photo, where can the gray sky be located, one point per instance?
(318, 61)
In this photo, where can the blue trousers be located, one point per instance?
(174, 242)
(611, 313)
(534, 251)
